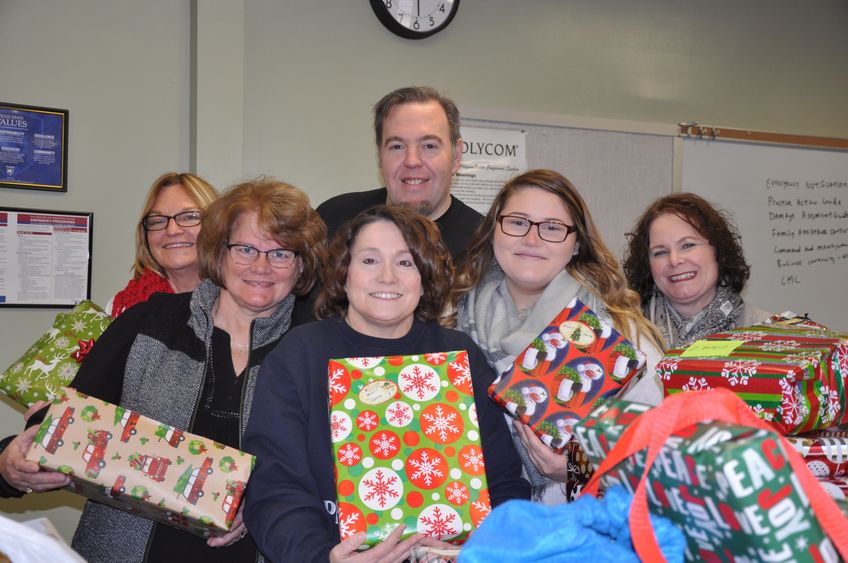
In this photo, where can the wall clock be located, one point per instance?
(415, 19)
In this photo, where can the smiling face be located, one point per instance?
(255, 289)
(174, 248)
(383, 284)
(530, 263)
(417, 159)
(683, 264)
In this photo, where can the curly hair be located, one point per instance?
(429, 252)
(713, 225)
(283, 213)
(594, 266)
(197, 189)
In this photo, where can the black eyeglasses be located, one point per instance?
(551, 231)
(246, 255)
(160, 222)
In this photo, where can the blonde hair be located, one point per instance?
(198, 190)
(593, 266)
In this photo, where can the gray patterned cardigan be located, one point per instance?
(161, 347)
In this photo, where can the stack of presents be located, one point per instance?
(407, 445)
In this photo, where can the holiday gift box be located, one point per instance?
(824, 451)
(789, 375)
(837, 488)
(555, 381)
(53, 361)
(407, 447)
(729, 487)
(118, 457)
(578, 469)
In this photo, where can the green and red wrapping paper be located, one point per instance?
(54, 359)
(792, 376)
(556, 380)
(406, 445)
(131, 462)
(728, 487)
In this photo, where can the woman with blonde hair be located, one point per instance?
(536, 250)
(165, 239)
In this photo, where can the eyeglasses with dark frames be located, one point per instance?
(160, 222)
(551, 231)
(246, 255)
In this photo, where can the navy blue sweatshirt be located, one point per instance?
(291, 499)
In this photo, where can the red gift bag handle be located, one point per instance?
(678, 411)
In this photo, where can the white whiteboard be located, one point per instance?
(617, 173)
(791, 207)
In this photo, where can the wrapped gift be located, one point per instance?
(426, 554)
(837, 488)
(791, 375)
(575, 361)
(730, 488)
(578, 469)
(825, 451)
(118, 457)
(53, 361)
(406, 443)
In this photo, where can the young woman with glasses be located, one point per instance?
(536, 250)
(165, 239)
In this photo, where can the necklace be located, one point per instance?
(240, 347)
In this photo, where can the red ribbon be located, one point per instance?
(84, 348)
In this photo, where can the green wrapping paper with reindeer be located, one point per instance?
(118, 457)
(54, 359)
(576, 360)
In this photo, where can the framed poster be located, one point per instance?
(33, 147)
(45, 257)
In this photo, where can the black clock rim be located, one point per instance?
(392, 25)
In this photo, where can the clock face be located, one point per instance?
(415, 19)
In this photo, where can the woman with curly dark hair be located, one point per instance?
(385, 284)
(685, 260)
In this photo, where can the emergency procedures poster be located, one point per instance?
(45, 257)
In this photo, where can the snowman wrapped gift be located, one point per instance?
(576, 360)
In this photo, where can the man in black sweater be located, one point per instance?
(419, 149)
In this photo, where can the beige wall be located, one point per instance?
(122, 69)
(293, 98)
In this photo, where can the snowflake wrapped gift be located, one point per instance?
(118, 457)
(407, 446)
(791, 376)
(54, 359)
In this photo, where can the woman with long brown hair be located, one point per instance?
(536, 250)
